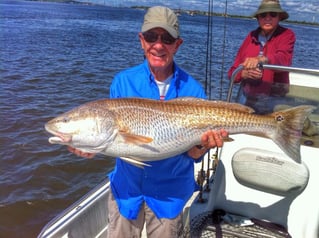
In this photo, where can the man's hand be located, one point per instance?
(210, 139)
(251, 67)
(255, 74)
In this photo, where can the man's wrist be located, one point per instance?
(197, 151)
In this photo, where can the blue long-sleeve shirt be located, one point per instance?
(167, 184)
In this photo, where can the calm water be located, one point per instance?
(57, 56)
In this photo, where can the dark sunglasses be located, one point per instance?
(152, 37)
(272, 14)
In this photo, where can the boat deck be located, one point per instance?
(275, 197)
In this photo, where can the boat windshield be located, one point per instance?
(296, 94)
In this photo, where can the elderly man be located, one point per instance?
(272, 44)
(155, 195)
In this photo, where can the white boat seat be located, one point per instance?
(268, 186)
(269, 171)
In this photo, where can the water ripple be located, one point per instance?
(64, 55)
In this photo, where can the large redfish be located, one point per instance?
(141, 130)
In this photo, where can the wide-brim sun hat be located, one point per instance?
(271, 6)
(162, 17)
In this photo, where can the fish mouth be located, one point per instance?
(58, 138)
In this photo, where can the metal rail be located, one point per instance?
(272, 67)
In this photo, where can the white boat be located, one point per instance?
(255, 190)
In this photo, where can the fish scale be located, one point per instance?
(144, 130)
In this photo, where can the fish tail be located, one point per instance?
(290, 123)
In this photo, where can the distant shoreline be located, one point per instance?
(179, 11)
(205, 13)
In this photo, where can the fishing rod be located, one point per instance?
(202, 175)
(212, 161)
(214, 157)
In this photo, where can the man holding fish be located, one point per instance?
(155, 194)
(157, 142)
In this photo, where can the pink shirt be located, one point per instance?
(279, 51)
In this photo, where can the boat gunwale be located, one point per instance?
(71, 212)
(310, 83)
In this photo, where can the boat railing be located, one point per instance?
(271, 67)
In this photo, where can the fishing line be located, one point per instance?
(202, 176)
(224, 47)
(209, 49)
(208, 85)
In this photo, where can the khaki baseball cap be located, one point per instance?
(162, 17)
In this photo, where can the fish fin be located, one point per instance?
(135, 162)
(239, 107)
(185, 99)
(232, 106)
(135, 139)
(290, 124)
(212, 103)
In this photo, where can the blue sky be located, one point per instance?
(306, 10)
